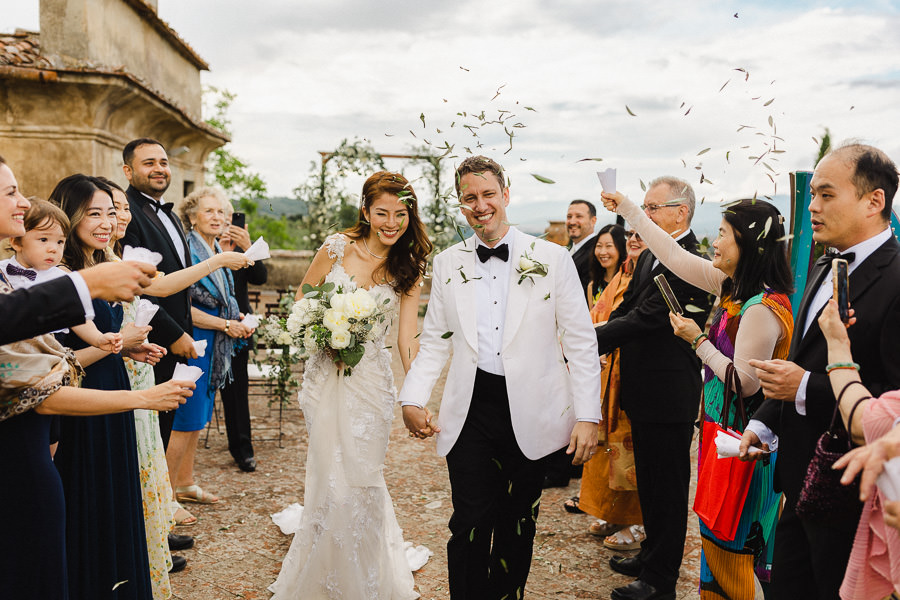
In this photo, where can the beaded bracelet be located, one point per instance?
(698, 340)
(841, 365)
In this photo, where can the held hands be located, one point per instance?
(166, 396)
(184, 346)
(611, 200)
(419, 422)
(583, 442)
(779, 379)
(684, 328)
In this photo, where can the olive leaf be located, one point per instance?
(542, 179)
(446, 335)
(704, 151)
(630, 112)
(693, 309)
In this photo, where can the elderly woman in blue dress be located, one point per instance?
(216, 318)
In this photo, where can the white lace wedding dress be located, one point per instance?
(348, 544)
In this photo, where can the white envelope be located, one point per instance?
(141, 255)
(251, 321)
(889, 480)
(607, 180)
(144, 312)
(185, 372)
(258, 251)
(200, 347)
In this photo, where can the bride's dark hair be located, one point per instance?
(408, 257)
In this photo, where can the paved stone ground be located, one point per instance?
(238, 549)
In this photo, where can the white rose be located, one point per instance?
(296, 322)
(337, 302)
(359, 304)
(300, 307)
(309, 343)
(284, 338)
(525, 263)
(335, 320)
(340, 339)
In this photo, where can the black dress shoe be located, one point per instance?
(247, 465)
(180, 542)
(640, 590)
(178, 564)
(626, 565)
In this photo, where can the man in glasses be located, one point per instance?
(660, 392)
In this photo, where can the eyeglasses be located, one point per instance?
(652, 208)
(633, 234)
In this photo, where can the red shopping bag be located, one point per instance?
(723, 483)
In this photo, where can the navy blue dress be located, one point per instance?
(32, 538)
(97, 460)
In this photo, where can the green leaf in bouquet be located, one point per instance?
(327, 287)
(307, 288)
(352, 355)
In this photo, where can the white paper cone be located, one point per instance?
(144, 312)
(141, 255)
(185, 372)
(251, 321)
(289, 519)
(889, 480)
(258, 251)
(200, 347)
(607, 180)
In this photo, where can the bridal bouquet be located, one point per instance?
(338, 323)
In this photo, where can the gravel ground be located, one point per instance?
(238, 549)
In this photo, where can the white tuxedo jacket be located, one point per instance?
(545, 397)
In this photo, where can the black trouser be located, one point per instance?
(162, 372)
(237, 408)
(662, 463)
(496, 494)
(810, 558)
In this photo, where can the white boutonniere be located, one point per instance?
(529, 268)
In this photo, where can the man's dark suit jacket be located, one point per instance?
(660, 374)
(146, 230)
(583, 257)
(40, 309)
(875, 343)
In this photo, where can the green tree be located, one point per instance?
(824, 146)
(439, 214)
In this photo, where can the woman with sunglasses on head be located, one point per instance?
(751, 275)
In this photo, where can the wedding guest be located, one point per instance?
(216, 318)
(29, 395)
(234, 394)
(97, 456)
(609, 255)
(852, 190)
(751, 275)
(609, 484)
(874, 567)
(660, 392)
(581, 217)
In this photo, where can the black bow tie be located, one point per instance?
(501, 252)
(831, 254)
(12, 270)
(166, 208)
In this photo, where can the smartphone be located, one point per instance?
(841, 279)
(239, 219)
(668, 294)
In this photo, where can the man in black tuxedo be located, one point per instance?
(660, 393)
(154, 226)
(852, 191)
(580, 220)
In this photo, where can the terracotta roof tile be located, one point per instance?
(22, 49)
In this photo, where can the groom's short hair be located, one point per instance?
(479, 164)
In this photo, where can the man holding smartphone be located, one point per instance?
(852, 191)
(234, 395)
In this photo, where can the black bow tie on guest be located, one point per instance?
(501, 252)
(12, 269)
(831, 254)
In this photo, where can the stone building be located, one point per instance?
(98, 74)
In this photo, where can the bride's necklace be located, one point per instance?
(370, 252)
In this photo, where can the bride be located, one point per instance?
(348, 544)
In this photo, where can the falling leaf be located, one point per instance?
(683, 164)
(689, 110)
(584, 159)
(471, 533)
(629, 111)
(704, 151)
(411, 133)
(771, 121)
(693, 309)
(464, 69)
(446, 335)
(769, 102)
(531, 109)
(724, 84)
(852, 107)
(422, 118)
(498, 92)
(785, 238)
(727, 154)
(643, 185)
(735, 15)
(542, 179)
(768, 226)
(118, 584)
(547, 297)
(389, 135)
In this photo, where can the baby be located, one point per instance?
(38, 254)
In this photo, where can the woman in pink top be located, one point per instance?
(873, 571)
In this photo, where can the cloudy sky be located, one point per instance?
(309, 73)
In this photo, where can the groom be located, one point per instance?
(509, 306)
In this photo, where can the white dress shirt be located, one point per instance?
(21, 282)
(578, 245)
(491, 292)
(168, 222)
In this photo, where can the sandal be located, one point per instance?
(571, 506)
(184, 518)
(194, 493)
(603, 529)
(629, 538)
